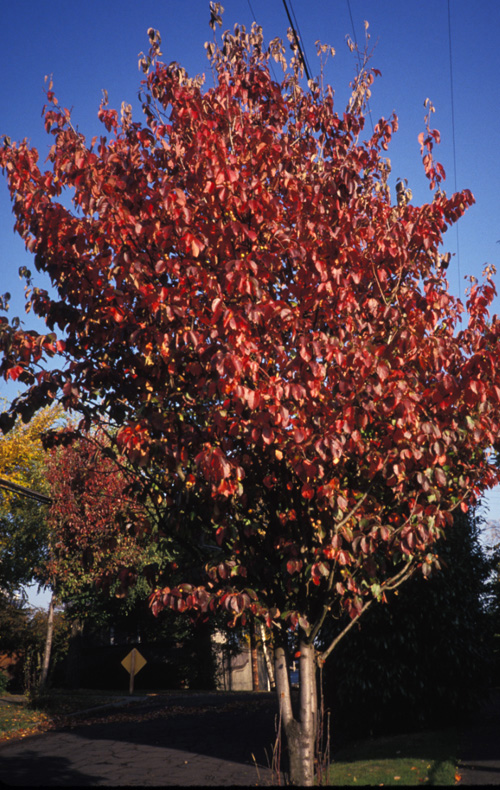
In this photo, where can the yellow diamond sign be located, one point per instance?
(134, 662)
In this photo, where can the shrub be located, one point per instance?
(4, 682)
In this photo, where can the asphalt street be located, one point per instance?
(166, 740)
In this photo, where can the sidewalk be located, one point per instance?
(206, 739)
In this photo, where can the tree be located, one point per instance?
(25, 550)
(23, 520)
(492, 536)
(265, 336)
(426, 659)
(98, 530)
(103, 538)
(23, 636)
(67, 545)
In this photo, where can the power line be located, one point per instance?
(25, 492)
(251, 10)
(297, 42)
(359, 58)
(301, 38)
(352, 25)
(255, 20)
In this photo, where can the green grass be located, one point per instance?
(18, 720)
(423, 758)
(20, 716)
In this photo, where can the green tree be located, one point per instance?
(24, 536)
(23, 635)
(426, 659)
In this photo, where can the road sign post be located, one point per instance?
(133, 663)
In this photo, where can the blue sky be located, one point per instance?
(91, 46)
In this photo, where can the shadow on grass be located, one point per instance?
(410, 758)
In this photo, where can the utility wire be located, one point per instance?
(453, 140)
(301, 38)
(251, 10)
(255, 20)
(297, 41)
(23, 491)
(353, 28)
(359, 58)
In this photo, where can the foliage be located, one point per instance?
(101, 535)
(23, 632)
(13, 617)
(21, 450)
(300, 370)
(98, 530)
(4, 680)
(426, 659)
(262, 334)
(23, 525)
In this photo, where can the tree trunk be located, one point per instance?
(301, 733)
(48, 643)
(267, 656)
(254, 656)
(308, 710)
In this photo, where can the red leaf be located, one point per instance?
(14, 373)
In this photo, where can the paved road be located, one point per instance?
(167, 740)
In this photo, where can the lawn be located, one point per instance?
(18, 720)
(422, 758)
(20, 716)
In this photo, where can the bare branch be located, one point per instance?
(324, 655)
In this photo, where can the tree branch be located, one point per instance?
(391, 584)
(324, 655)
